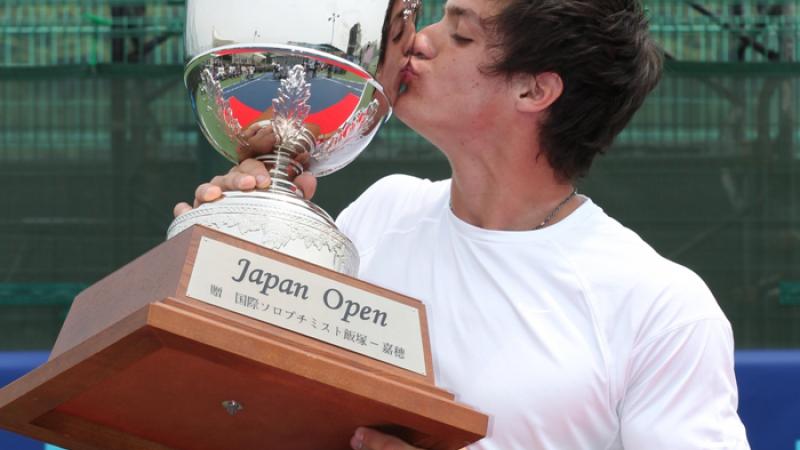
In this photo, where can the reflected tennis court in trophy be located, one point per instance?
(297, 91)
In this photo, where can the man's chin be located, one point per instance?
(401, 94)
(398, 107)
(395, 92)
(405, 111)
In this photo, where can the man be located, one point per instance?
(545, 313)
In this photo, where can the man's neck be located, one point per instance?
(508, 190)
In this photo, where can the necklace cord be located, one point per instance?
(557, 209)
(549, 216)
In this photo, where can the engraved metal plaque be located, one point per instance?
(309, 304)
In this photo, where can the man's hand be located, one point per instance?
(248, 175)
(369, 439)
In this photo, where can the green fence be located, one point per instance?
(89, 32)
(727, 31)
(95, 150)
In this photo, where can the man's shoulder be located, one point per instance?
(399, 194)
(625, 253)
(392, 202)
(626, 277)
(401, 185)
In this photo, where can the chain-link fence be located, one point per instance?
(90, 32)
(727, 31)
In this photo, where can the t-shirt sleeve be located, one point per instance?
(681, 391)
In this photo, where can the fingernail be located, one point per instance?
(357, 442)
(261, 181)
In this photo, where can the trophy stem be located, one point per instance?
(282, 170)
(295, 141)
(283, 164)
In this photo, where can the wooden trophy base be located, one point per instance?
(139, 365)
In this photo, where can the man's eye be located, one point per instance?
(398, 28)
(460, 40)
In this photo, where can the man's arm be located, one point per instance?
(681, 391)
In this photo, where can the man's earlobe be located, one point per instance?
(537, 93)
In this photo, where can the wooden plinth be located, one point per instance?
(139, 365)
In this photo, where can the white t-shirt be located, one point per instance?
(578, 336)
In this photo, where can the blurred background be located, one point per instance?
(98, 142)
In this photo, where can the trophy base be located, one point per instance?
(141, 365)
(278, 221)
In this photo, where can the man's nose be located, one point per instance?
(422, 46)
(408, 42)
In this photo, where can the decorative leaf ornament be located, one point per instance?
(356, 128)
(410, 7)
(222, 106)
(291, 105)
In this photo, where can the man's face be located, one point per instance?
(445, 95)
(399, 39)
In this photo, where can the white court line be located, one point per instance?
(345, 85)
(228, 91)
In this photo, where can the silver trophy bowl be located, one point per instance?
(304, 85)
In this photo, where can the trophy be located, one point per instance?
(295, 83)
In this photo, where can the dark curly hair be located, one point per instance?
(603, 52)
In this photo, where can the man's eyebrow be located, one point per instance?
(458, 12)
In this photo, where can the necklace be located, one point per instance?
(558, 208)
(549, 216)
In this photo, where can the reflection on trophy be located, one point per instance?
(294, 83)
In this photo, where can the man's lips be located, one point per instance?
(407, 74)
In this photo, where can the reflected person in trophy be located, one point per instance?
(563, 325)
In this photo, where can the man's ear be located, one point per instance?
(535, 93)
